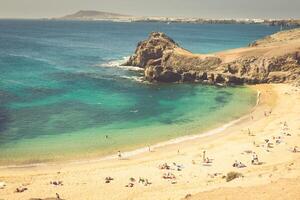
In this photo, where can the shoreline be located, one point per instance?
(138, 151)
(86, 180)
(145, 149)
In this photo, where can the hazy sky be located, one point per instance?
(196, 8)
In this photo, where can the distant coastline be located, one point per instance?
(282, 23)
(91, 15)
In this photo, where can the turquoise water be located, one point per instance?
(61, 92)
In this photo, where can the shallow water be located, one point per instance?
(61, 92)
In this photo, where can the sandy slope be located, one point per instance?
(288, 41)
(271, 46)
(277, 178)
(285, 189)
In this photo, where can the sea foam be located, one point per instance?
(118, 63)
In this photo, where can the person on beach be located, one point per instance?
(295, 149)
(285, 126)
(203, 156)
(238, 164)
(241, 165)
(235, 164)
(254, 160)
(57, 196)
(249, 132)
(119, 154)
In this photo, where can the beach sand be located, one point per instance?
(276, 178)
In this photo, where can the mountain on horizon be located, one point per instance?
(94, 15)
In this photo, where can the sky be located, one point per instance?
(181, 8)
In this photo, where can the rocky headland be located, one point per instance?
(273, 59)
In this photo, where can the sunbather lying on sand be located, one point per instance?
(108, 179)
(238, 164)
(56, 183)
(144, 181)
(164, 166)
(169, 176)
(21, 189)
(129, 185)
(208, 160)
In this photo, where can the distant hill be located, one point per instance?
(94, 15)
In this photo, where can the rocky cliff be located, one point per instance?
(274, 59)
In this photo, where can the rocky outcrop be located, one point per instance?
(151, 51)
(273, 69)
(275, 59)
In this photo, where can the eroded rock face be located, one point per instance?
(158, 73)
(274, 69)
(150, 52)
(188, 76)
(164, 61)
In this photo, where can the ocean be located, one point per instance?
(64, 95)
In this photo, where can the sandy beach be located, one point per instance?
(270, 131)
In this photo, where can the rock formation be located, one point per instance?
(274, 59)
(151, 51)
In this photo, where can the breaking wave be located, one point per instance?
(118, 64)
(134, 78)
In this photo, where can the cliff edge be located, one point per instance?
(274, 59)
